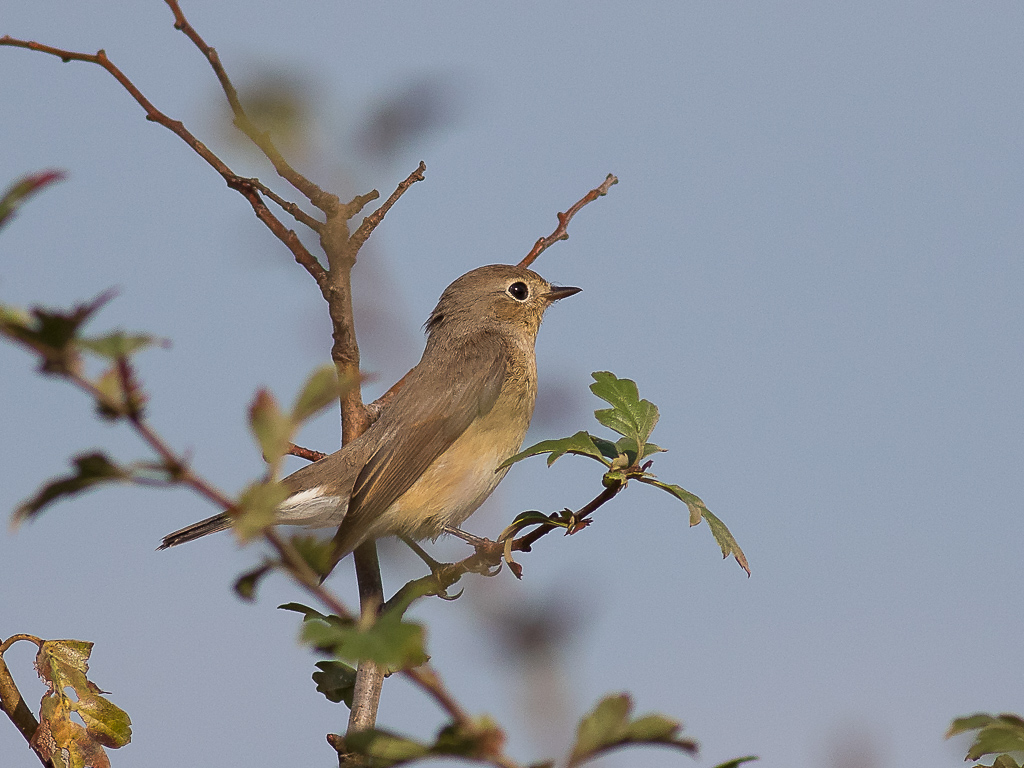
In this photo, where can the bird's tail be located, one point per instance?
(213, 524)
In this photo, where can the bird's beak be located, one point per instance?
(560, 292)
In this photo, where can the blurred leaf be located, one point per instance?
(320, 390)
(629, 415)
(737, 762)
(119, 393)
(336, 681)
(245, 585)
(90, 469)
(271, 427)
(317, 552)
(118, 344)
(609, 726)
(581, 443)
(384, 748)
(480, 740)
(51, 334)
(305, 610)
(23, 188)
(995, 734)
(391, 642)
(63, 664)
(257, 507)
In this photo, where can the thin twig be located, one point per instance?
(305, 453)
(239, 183)
(370, 222)
(561, 231)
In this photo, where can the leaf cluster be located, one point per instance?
(1000, 735)
(62, 665)
(623, 460)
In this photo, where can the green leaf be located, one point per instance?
(609, 726)
(320, 390)
(698, 512)
(726, 541)
(315, 551)
(118, 345)
(63, 665)
(91, 469)
(272, 429)
(581, 443)
(336, 681)
(23, 188)
(629, 415)
(257, 509)
(390, 641)
(996, 734)
(385, 749)
(627, 446)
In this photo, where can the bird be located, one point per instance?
(432, 456)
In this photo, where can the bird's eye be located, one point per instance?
(518, 291)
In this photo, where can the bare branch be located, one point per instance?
(305, 453)
(243, 185)
(561, 231)
(370, 222)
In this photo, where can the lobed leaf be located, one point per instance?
(63, 664)
(336, 680)
(629, 415)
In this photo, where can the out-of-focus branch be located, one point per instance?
(325, 201)
(561, 231)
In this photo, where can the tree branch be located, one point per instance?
(325, 201)
(236, 182)
(561, 231)
(11, 701)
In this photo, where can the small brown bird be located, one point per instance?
(431, 458)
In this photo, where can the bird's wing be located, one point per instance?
(433, 410)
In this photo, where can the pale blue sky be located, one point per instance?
(812, 264)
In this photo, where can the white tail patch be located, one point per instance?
(312, 508)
